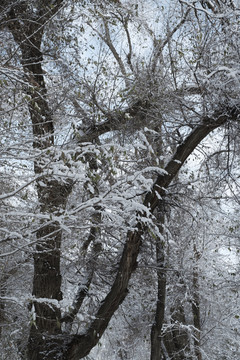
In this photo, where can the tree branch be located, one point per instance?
(80, 345)
(83, 288)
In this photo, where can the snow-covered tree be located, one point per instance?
(119, 136)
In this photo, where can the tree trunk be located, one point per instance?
(156, 332)
(196, 306)
(176, 340)
(2, 303)
(52, 194)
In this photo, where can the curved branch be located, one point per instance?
(207, 125)
(80, 345)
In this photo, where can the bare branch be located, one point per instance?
(159, 45)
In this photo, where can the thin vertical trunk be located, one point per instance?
(156, 331)
(2, 303)
(196, 306)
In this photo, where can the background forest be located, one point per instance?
(119, 180)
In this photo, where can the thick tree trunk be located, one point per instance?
(52, 194)
(176, 340)
(47, 291)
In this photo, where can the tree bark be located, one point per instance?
(27, 30)
(156, 331)
(2, 303)
(196, 306)
(176, 340)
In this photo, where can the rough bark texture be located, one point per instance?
(27, 30)
(176, 340)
